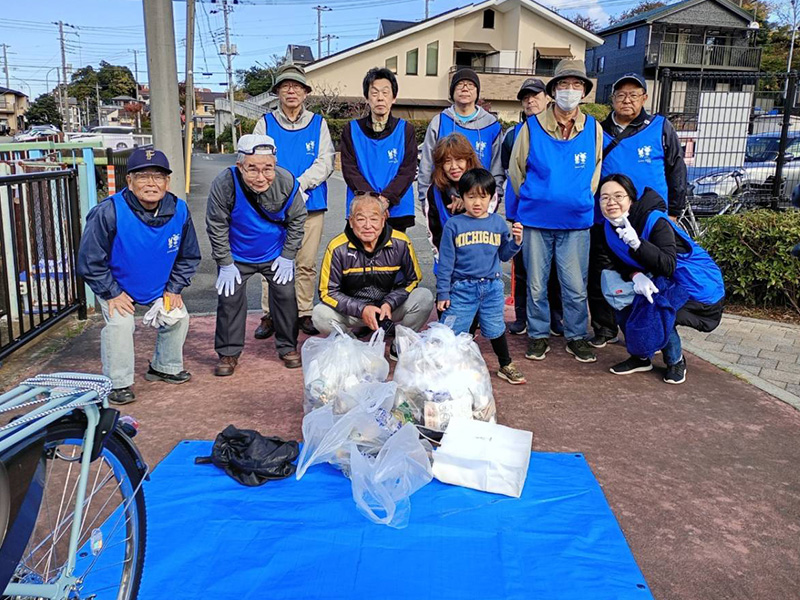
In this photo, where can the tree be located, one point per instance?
(643, 6)
(587, 23)
(259, 79)
(44, 110)
(112, 81)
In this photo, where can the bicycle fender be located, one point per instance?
(141, 465)
(105, 426)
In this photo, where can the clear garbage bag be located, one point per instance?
(338, 362)
(383, 485)
(441, 375)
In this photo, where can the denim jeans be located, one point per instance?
(570, 249)
(671, 353)
(116, 347)
(482, 296)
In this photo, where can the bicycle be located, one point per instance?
(699, 208)
(72, 510)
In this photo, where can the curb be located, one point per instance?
(762, 384)
(762, 321)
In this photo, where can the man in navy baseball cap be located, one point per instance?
(145, 158)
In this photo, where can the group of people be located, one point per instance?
(591, 206)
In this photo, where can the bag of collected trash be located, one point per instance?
(361, 415)
(484, 456)
(382, 485)
(251, 458)
(441, 375)
(339, 362)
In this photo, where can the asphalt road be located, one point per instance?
(201, 297)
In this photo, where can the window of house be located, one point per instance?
(601, 64)
(628, 38)
(391, 64)
(412, 62)
(432, 59)
(488, 19)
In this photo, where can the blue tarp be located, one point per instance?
(209, 537)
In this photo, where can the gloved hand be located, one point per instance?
(628, 234)
(151, 317)
(644, 286)
(284, 268)
(227, 279)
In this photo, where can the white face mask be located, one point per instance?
(568, 100)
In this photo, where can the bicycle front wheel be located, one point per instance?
(109, 555)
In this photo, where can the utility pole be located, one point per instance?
(427, 10)
(320, 10)
(136, 79)
(229, 52)
(189, 109)
(791, 50)
(330, 37)
(162, 70)
(5, 63)
(64, 95)
(97, 97)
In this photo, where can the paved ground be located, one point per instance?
(765, 353)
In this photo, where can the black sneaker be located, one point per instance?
(600, 341)
(153, 375)
(581, 350)
(676, 374)
(122, 396)
(518, 327)
(537, 348)
(265, 329)
(632, 365)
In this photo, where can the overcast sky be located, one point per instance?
(112, 29)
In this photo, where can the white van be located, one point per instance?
(116, 137)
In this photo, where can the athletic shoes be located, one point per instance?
(632, 365)
(511, 374)
(676, 374)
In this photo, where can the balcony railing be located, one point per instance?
(676, 54)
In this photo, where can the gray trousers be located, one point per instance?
(412, 313)
(232, 313)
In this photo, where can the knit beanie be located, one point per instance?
(463, 74)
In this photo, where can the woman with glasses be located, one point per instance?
(642, 243)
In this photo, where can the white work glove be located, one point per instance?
(151, 317)
(628, 234)
(227, 279)
(644, 286)
(284, 268)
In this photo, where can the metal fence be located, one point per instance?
(741, 137)
(39, 237)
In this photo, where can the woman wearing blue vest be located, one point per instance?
(643, 243)
(379, 152)
(465, 117)
(139, 247)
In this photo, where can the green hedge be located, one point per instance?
(752, 249)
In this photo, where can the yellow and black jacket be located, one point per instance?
(352, 278)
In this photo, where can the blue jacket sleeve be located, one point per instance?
(94, 252)
(447, 262)
(188, 258)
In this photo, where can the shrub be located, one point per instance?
(598, 111)
(753, 251)
(245, 126)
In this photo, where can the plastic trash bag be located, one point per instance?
(338, 362)
(382, 486)
(441, 375)
(364, 418)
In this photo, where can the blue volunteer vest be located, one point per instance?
(378, 161)
(482, 140)
(557, 191)
(253, 238)
(510, 195)
(640, 157)
(444, 213)
(142, 256)
(695, 270)
(297, 151)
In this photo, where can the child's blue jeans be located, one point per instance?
(482, 296)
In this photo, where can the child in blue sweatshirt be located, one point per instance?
(469, 276)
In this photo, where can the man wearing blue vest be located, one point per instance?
(646, 149)
(555, 169)
(467, 118)
(255, 218)
(307, 153)
(379, 152)
(139, 247)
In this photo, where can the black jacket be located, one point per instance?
(351, 278)
(674, 167)
(98, 238)
(434, 220)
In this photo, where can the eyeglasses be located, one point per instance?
(605, 198)
(622, 96)
(154, 177)
(466, 85)
(255, 171)
(563, 84)
(293, 86)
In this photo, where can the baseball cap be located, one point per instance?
(631, 78)
(143, 158)
(253, 143)
(532, 85)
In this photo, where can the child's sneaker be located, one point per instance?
(511, 374)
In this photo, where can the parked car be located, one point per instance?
(756, 175)
(116, 137)
(37, 133)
